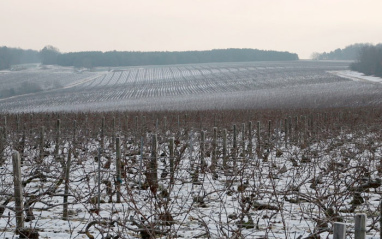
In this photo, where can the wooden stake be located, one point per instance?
(58, 135)
(250, 143)
(118, 169)
(19, 208)
(171, 149)
(243, 139)
(103, 133)
(360, 226)
(225, 148)
(339, 230)
(214, 146)
(67, 172)
(42, 142)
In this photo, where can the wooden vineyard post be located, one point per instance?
(214, 146)
(2, 146)
(243, 139)
(165, 125)
(250, 143)
(234, 147)
(225, 148)
(339, 231)
(113, 133)
(178, 118)
(19, 209)
(290, 134)
(17, 125)
(303, 133)
(316, 126)
(58, 135)
(157, 126)
(153, 178)
(190, 147)
(258, 145)
(311, 125)
(74, 144)
(118, 169)
(380, 219)
(126, 125)
(137, 136)
(99, 179)
(171, 149)
(23, 138)
(67, 172)
(144, 125)
(5, 128)
(200, 164)
(140, 162)
(296, 131)
(202, 149)
(286, 132)
(103, 133)
(269, 136)
(360, 226)
(87, 131)
(42, 140)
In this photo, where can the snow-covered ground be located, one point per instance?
(246, 85)
(356, 76)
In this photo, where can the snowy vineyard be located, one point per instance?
(221, 174)
(246, 85)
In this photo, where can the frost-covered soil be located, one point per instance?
(288, 190)
(247, 85)
(41, 78)
(357, 76)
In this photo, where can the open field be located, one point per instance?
(254, 85)
(196, 174)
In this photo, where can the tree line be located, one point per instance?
(369, 60)
(124, 58)
(50, 55)
(350, 52)
(15, 56)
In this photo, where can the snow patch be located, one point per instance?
(356, 76)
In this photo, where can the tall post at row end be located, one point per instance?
(18, 191)
(360, 226)
(118, 169)
(339, 230)
(67, 172)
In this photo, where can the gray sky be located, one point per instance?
(299, 26)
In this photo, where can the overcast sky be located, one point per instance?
(299, 26)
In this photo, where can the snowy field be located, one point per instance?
(357, 76)
(299, 84)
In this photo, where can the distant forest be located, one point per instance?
(369, 60)
(348, 53)
(117, 58)
(50, 55)
(16, 56)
